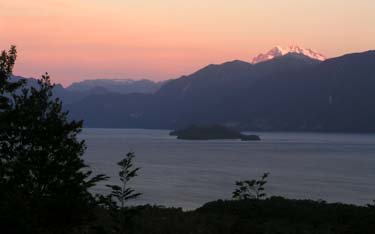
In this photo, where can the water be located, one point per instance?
(179, 173)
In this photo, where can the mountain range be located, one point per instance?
(123, 86)
(291, 92)
(79, 90)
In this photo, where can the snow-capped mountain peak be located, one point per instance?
(278, 51)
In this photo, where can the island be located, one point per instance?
(213, 132)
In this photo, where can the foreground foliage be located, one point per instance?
(251, 189)
(115, 202)
(7, 61)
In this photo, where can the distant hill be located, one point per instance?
(123, 86)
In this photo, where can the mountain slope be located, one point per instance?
(335, 95)
(235, 74)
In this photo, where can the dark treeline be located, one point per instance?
(45, 183)
(275, 215)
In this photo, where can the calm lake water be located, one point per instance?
(332, 167)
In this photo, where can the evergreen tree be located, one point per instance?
(43, 179)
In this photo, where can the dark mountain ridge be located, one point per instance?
(289, 93)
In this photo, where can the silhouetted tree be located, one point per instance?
(121, 194)
(7, 88)
(251, 189)
(7, 61)
(43, 179)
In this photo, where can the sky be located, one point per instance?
(75, 40)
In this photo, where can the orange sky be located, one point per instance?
(162, 39)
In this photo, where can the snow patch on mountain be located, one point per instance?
(278, 51)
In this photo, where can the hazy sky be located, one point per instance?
(162, 39)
